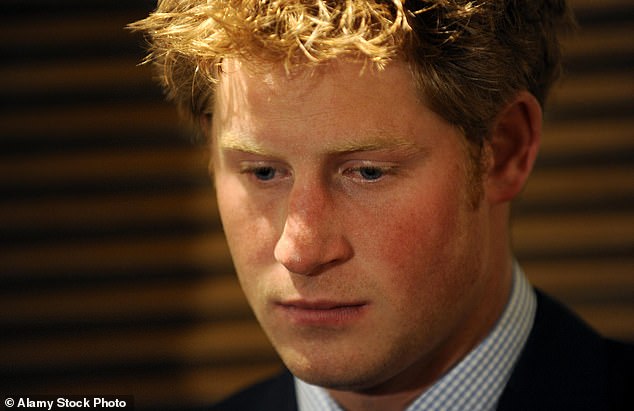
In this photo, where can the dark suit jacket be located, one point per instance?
(565, 366)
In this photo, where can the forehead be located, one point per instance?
(270, 89)
(332, 108)
(253, 83)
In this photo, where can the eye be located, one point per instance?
(371, 173)
(264, 173)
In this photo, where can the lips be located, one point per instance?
(321, 313)
(320, 304)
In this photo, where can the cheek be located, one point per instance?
(249, 230)
(419, 232)
(250, 239)
(423, 246)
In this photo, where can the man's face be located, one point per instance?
(346, 205)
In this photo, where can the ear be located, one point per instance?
(513, 147)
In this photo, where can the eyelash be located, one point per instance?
(253, 171)
(383, 170)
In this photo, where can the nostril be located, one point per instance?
(311, 256)
(296, 258)
(312, 239)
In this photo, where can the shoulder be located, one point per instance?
(620, 374)
(274, 394)
(567, 365)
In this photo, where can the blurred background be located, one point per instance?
(114, 274)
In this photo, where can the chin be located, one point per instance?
(336, 374)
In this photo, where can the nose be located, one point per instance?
(312, 238)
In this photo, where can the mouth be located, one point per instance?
(321, 313)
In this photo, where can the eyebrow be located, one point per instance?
(377, 142)
(243, 143)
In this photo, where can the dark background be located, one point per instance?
(114, 274)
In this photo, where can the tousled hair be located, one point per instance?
(469, 58)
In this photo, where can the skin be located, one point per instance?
(349, 214)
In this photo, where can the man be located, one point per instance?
(364, 155)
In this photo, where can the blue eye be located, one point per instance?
(371, 173)
(264, 173)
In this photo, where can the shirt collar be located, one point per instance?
(477, 381)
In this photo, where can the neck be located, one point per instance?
(398, 393)
(354, 401)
